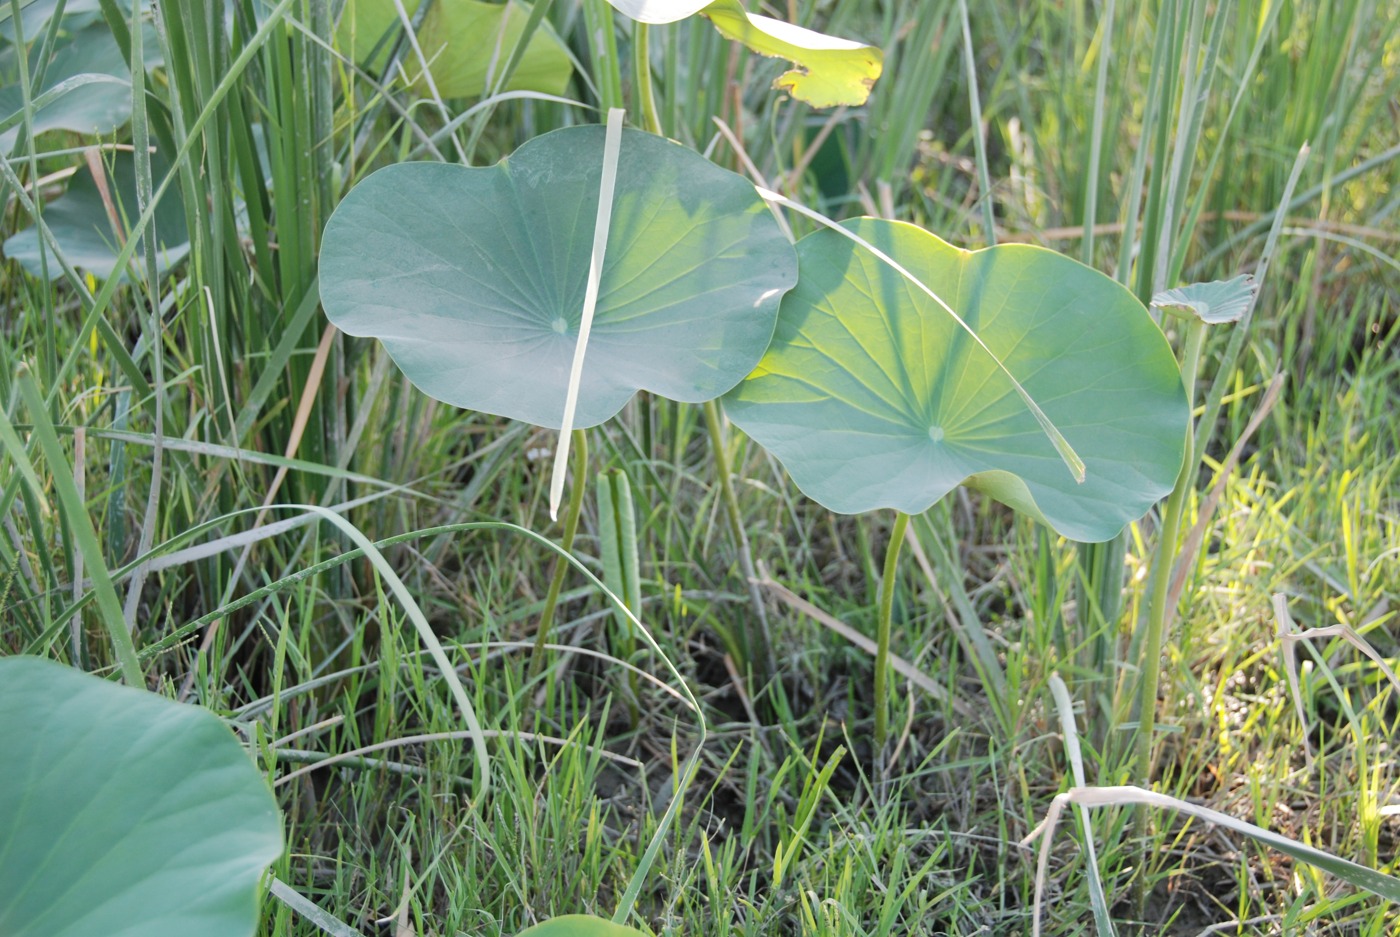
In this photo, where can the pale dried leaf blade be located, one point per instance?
(897, 663)
(1288, 634)
(606, 185)
(1377, 883)
(1213, 303)
(323, 920)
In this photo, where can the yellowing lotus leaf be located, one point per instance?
(830, 71)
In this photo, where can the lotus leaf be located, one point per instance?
(82, 225)
(460, 40)
(829, 72)
(98, 107)
(873, 396)
(1213, 303)
(579, 925)
(124, 814)
(474, 277)
(36, 14)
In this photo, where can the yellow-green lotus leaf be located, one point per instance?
(830, 71)
(464, 42)
(873, 396)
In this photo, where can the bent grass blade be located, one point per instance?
(1377, 883)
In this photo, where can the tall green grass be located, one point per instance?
(1153, 141)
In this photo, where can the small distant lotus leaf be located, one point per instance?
(829, 72)
(82, 225)
(124, 814)
(579, 925)
(1213, 303)
(98, 106)
(460, 41)
(873, 396)
(474, 278)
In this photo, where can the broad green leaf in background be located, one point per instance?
(460, 40)
(367, 28)
(873, 397)
(35, 15)
(1213, 303)
(474, 277)
(124, 814)
(83, 228)
(829, 71)
(98, 107)
(579, 925)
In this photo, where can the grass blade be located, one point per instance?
(1377, 883)
(83, 533)
(1065, 707)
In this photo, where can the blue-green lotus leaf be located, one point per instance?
(35, 15)
(873, 396)
(124, 814)
(99, 106)
(474, 278)
(82, 225)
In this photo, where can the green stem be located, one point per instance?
(764, 662)
(984, 177)
(641, 77)
(561, 565)
(1099, 590)
(882, 628)
(1162, 562)
(602, 53)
